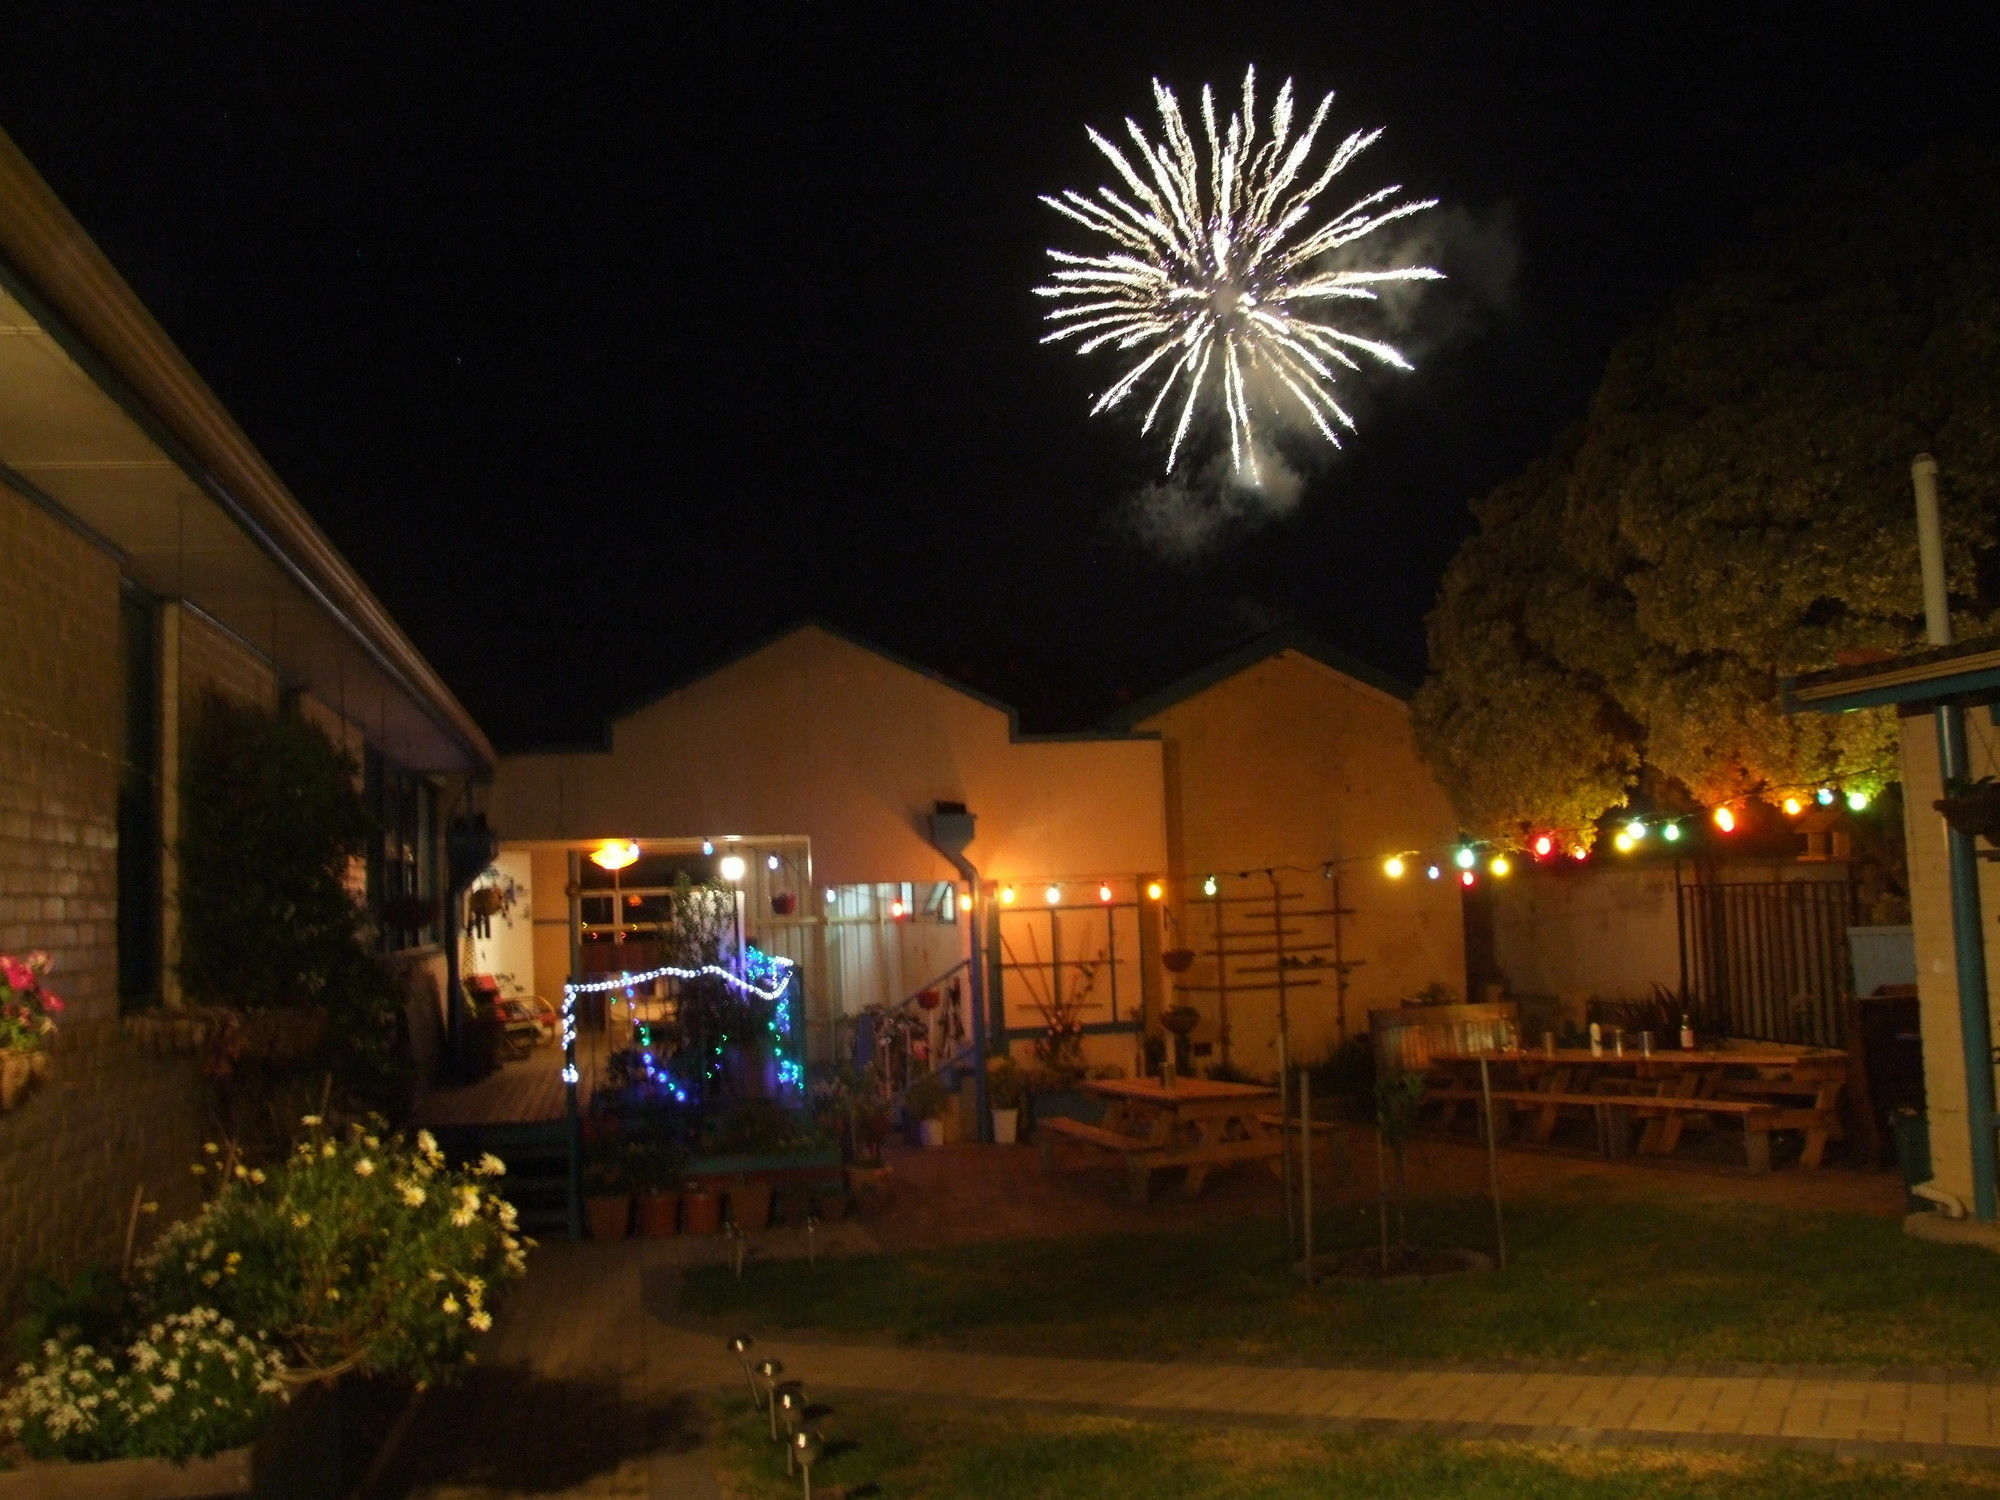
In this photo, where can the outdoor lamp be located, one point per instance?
(768, 1370)
(805, 1447)
(740, 1347)
(789, 1398)
(771, 862)
(732, 868)
(1465, 858)
(1393, 867)
(614, 854)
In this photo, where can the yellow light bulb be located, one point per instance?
(1793, 807)
(1623, 843)
(1052, 895)
(1154, 890)
(615, 854)
(1500, 864)
(1104, 893)
(1393, 867)
(1006, 895)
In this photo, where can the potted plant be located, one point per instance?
(607, 1189)
(27, 1020)
(925, 1102)
(656, 1170)
(701, 1206)
(784, 903)
(1003, 1096)
(1972, 808)
(357, 1254)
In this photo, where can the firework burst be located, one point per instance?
(1217, 285)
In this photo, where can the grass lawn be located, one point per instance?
(1588, 1279)
(925, 1449)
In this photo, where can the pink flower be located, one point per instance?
(51, 1000)
(18, 975)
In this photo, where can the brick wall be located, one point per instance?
(109, 1120)
(61, 737)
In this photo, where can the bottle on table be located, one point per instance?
(1687, 1034)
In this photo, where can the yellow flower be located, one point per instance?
(333, 1294)
(412, 1194)
(480, 1321)
(450, 1304)
(309, 1120)
(364, 1168)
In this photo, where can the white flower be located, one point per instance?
(450, 1303)
(461, 1217)
(490, 1166)
(479, 1322)
(364, 1168)
(412, 1194)
(327, 1149)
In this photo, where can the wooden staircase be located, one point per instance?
(542, 1181)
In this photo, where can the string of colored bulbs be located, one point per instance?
(1465, 856)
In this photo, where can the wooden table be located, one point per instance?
(1196, 1124)
(1766, 1087)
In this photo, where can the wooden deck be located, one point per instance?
(528, 1090)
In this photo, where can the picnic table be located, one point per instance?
(1193, 1123)
(1764, 1088)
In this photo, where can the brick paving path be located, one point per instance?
(1901, 1416)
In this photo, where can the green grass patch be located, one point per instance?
(1588, 1279)
(914, 1449)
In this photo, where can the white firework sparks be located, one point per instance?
(1217, 286)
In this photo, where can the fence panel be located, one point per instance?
(1769, 956)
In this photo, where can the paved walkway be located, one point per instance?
(1905, 1417)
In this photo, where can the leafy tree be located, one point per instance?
(1734, 506)
(273, 822)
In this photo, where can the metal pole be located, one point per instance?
(1492, 1161)
(1306, 1170)
(1284, 1062)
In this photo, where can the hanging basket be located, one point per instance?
(19, 1071)
(1180, 1019)
(929, 999)
(1178, 960)
(783, 903)
(1973, 808)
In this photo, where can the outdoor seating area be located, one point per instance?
(1760, 1089)
(1195, 1123)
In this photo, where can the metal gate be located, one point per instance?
(1769, 957)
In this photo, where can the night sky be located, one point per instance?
(604, 347)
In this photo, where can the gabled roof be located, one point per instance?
(847, 637)
(1240, 658)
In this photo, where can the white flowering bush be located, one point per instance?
(189, 1385)
(357, 1252)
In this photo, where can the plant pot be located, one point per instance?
(703, 1211)
(658, 1215)
(1177, 960)
(930, 1132)
(17, 1072)
(1974, 813)
(1005, 1124)
(608, 1215)
(783, 903)
(1180, 1019)
(750, 1205)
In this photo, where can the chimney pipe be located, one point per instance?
(1930, 551)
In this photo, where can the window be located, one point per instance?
(403, 882)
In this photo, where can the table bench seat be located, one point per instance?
(1758, 1117)
(1142, 1157)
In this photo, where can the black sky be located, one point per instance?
(605, 340)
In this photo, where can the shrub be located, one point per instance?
(190, 1385)
(356, 1253)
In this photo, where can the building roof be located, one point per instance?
(1242, 657)
(847, 637)
(1966, 668)
(105, 424)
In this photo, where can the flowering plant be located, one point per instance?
(189, 1385)
(357, 1252)
(27, 1008)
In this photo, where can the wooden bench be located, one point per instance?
(1614, 1112)
(1142, 1157)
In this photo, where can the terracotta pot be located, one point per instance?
(16, 1073)
(750, 1205)
(704, 1210)
(1178, 960)
(608, 1216)
(657, 1213)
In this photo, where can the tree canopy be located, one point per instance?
(1734, 506)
